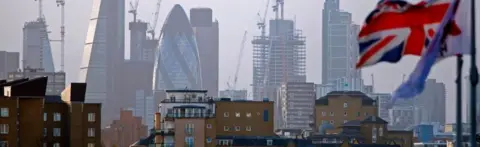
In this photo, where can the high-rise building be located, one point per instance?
(37, 52)
(383, 100)
(296, 106)
(278, 58)
(103, 55)
(234, 94)
(10, 62)
(177, 64)
(139, 49)
(207, 36)
(430, 105)
(56, 80)
(339, 47)
(144, 107)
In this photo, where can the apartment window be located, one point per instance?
(91, 145)
(189, 140)
(380, 131)
(91, 117)
(4, 112)
(366, 114)
(3, 128)
(3, 143)
(45, 116)
(324, 113)
(345, 105)
(56, 144)
(248, 128)
(332, 122)
(237, 114)
(374, 134)
(225, 114)
(56, 132)
(226, 128)
(209, 126)
(249, 114)
(91, 132)
(269, 142)
(44, 131)
(189, 128)
(237, 128)
(344, 113)
(332, 114)
(57, 116)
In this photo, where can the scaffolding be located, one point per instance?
(281, 57)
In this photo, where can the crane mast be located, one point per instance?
(133, 10)
(153, 24)
(61, 3)
(239, 61)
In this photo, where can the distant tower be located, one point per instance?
(103, 55)
(207, 36)
(37, 52)
(138, 39)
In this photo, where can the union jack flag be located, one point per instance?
(396, 28)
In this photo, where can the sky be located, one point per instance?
(234, 16)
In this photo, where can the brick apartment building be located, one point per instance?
(31, 119)
(124, 131)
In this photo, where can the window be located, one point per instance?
(344, 113)
(226, 128)
(248, 128)
(237, 128)
(4, 112)
(345, 105)
(56, 144)
(57, 116)
(358, 114)
(3, 128)
(332, 114)
(91, 132)
(225, 114)
(209, 140)
(45, 116)
(324, 113)
(91, 145)
(249, 114)
(44, 131)
(269, 142)
(56, 132)
(91, 117)
(237, 114)
(3, 143)
(374, 134)
(209, 126)
(189, 140)
(380, 131)
(189, 128)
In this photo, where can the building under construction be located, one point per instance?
(278, 58)
(37, 51)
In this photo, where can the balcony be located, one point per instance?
(171, 116)
(165, 145)
(165, 132)
(189, 100)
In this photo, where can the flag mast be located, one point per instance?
(459, 122)
(473, 79)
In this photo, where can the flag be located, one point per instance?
(441, 47)
(397, 28)
(430, 29)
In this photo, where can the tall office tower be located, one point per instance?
(207, 36)
(56, 80)
(145, 107)
(295, 106)
(278, 58)
(37, 52)
(383, 100)
(430, 104)
(234, 94)
(339, 47)
(9, 63)
(137, 76)
(103, 55)
(177, 64)
(139, 50)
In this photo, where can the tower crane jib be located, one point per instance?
(153, 24)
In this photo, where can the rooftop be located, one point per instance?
(366, 101)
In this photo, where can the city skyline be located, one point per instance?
(76, 37)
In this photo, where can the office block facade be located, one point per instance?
(296, 102)
(37, 51)
(9, 62)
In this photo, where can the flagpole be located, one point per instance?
(459, 122)
(473, 79)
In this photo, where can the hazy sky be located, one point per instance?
(234, 16)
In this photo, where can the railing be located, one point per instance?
(166, 145)
(191, 100)
(190, 115)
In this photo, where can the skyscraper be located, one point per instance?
(37, 52)
(139, 51)
(207, 36)
(339, 47)
(104, 54)
(9, 63)
(177, 64)
(430, 104)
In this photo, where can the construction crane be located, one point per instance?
(40, 8)
(153, 24)
(133, 10)
(239, 61)
(261, 25)
(261, 21)
(61, 3)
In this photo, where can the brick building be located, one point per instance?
(29, 118)
(125, 131)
